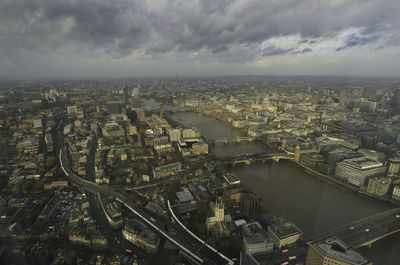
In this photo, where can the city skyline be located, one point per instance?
(94, 39)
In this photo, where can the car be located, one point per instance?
(367, 230)
(397, 215)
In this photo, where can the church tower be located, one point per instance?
(297, 153)
(219, 209)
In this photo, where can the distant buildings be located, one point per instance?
(333, 251)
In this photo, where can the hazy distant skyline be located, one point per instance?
(123, 38)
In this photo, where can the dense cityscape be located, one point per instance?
(227, 170)
(175, 132)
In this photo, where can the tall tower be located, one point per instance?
(219, 209)
(396, 96)
(342, 97)
(297, 153)
(283, 146)
(126, 94)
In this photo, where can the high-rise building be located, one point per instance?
(342, 97)
(161, 112)
(366, 92)
(126, 94)
(333, 251)
(396, 96)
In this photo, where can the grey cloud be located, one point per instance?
(122, 26)
(119, 27)
(305, 50)
(355, 40)
(273, 50)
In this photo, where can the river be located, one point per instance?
(312, 204)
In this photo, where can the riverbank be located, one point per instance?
(356, 190)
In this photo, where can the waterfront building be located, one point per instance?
(284, 233)
(394, 166)
(191, 133)
(256, 240)
(378, 186)
(251, 203)
(357, 170)
(338, 155)
(231, 179)
(174, 135)
(333, 251)
(396, 192)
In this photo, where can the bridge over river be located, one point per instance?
(250, 158)
(366, 231)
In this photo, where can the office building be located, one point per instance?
(396, 193)
(284, 233)
(394, 166)
(379, 185)
(256, 240)
(186, 202)
(357, 170)
(333, 251)
(174, 135)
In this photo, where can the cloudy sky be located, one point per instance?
(129, 38)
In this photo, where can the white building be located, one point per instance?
(256, 239)
(357, 170)
(174, 135)
(191, 133)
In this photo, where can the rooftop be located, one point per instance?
(336, 249)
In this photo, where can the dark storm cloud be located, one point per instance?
(355, 40)
(272, 51)
(119, 27)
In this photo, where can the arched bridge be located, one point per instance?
(233, 139)
(256, 157)
(366, 231)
